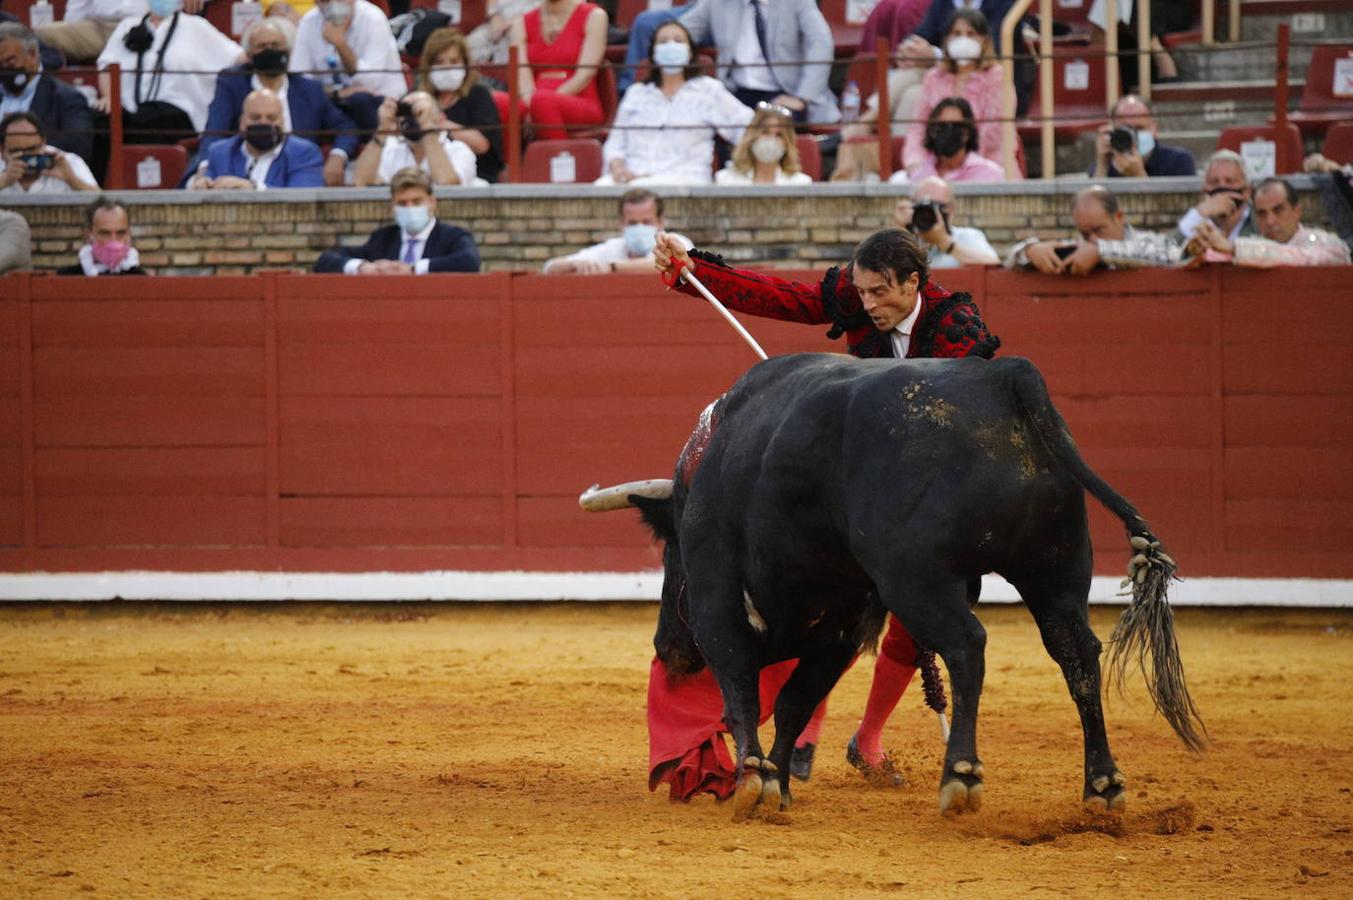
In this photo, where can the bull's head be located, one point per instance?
(673, 641)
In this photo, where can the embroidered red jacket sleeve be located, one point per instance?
(957, 331)
(758, 294)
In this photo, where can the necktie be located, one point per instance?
(410, 256)
(760, 28)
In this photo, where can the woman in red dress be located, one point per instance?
(569, 34)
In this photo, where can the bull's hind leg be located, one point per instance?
(1062, 613)
(939, 618)
(812, 680)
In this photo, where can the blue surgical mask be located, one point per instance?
(1146, 142)
(672, 56)
(164, 8)
(412, 219)
(640, 239)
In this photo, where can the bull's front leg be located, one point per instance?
(756, 774)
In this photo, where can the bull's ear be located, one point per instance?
(657, 515)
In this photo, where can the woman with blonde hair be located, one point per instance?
(767, 153)
(969, 70)
(446, 72)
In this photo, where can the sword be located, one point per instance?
(694, 282)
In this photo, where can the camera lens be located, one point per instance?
(924, 217)
(1122, 139)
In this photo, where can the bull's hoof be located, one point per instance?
(1106, 792)
(801, 762)
(759, 778)
(772, 796)
(961, 791)
(882, 774)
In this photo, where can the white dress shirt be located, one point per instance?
(613, 250)
(661, 137)
(50, 184)
(1190, 221)
(901, 334)
(396, 154)
(420, 242)
(378, 65)
(729, 176)
(750, 69)
(970, 239)
(258, 166)
(191, 61)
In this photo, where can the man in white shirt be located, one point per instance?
(413, 134)
(351, 41)
(31, 165)
(83, 31)
(640, 221)
(1226, 200)
(948, 246)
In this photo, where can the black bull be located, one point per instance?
(834, 489)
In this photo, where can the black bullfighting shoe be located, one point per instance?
(884, 774)
(801, 762)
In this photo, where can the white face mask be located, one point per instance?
(962, 48)
(672, 56)
(768, 149)
(447, 79)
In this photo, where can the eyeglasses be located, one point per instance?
(775, 108)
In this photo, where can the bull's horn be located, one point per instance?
(599, 499)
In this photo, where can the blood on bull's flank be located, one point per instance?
(906, 481)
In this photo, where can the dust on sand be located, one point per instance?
(500, 750)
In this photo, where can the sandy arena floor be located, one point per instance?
(500, 751)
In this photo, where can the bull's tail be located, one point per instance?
(1148, 622)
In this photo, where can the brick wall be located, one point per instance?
(518, 227)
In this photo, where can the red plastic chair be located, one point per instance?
(1339, 143)
(586, 160)
(1078, 83)
(173, 160)
(1231, 139)
(1324, 103)
(810, 155)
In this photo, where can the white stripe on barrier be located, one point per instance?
(373, 586)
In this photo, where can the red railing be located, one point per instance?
(302, 423)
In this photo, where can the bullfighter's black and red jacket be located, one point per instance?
(949, 325)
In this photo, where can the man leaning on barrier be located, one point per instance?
(1282, 240)
(1106, 240)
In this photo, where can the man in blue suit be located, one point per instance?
(261, 155)
(415, 245)
(310, 112)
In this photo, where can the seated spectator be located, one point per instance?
(929, 215)
(32, 166)
(950, 147)
(489, 42)
(262, 155)
(169, 62)
(1226, 200)
(26, 88)
(307, 111)
(446, 73)
(16, 242)
(904, 93)
(926, 44)
(969, 70)
(790, 71)
(1282, 240)
(767, 153)
(1106, 240)
(664, 128)
(415, 245)
(1135, 153)
(107, 249)
(640, 221)
(351, 41)
(560, 45)
(83, 31)
(412, 133)
(640, 40)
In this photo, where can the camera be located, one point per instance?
(924, 215)
(38, 162)
(1122, 139)
(404, 110)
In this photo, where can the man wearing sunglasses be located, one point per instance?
(1225, 200)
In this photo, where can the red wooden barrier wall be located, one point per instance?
(323, 423)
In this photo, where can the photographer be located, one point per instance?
(929, 215)
(412, 133)
(31, 165)
(1127, 146)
